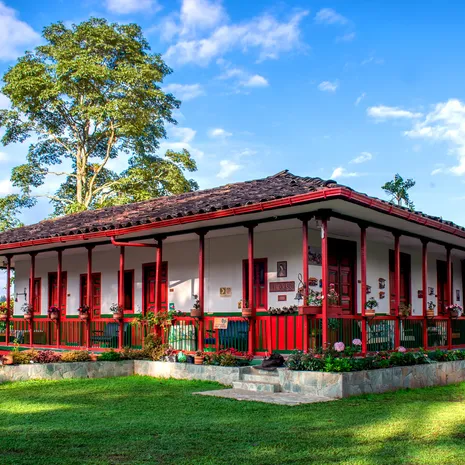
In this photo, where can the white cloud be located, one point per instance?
(328, 86)
(15, 35)
(6, 187)
(199, 15)
(436, 171)
(349, 37)
(132, 6)
(219, 133)
(372, 59)
(185, 91)
(330, 16)
(341, 172)
(255, 81)
(445, 123)
(4, 102)
(360, 98)
(383, 112)
(180, 138)
(362, 158)
(3, 157)
(269, 36)
(227, 168)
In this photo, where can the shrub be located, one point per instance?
(133, 354)
(110, 356)
(227, 358)
(46, 356)
(23, 358)
(76, 356)
(154, 348)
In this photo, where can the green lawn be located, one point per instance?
(140, 420)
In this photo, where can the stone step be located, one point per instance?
(259, 378)
(256, 371)
(256, 387)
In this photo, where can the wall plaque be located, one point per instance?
(282, 286)
(225, 292)
(282, 298)
(220, 323)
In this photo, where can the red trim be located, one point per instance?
(130, 244)
(305, 278)
(396, 288)
(201, 288)
(363, 277)
(121, 278)
(144, 267)
(450, 294)
(424, 285)
(250, 259)
(132, 273)
(8, 297)
(38, 297)
(59, 304)
(325, 279)
(158, 275)
(31, 278)
(330, 193)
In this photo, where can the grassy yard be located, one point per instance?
(141, 420)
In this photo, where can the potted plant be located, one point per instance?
(455, 310)
(84, 311)
(196, 311)
(28, 311)
(4, 311)
(199, 358)
(163, 318)
(117, 310)
(405, 310)
(169, 355)
(246, 311)
(370, 306)
(312, 303)
(54, 313)
(430, 309)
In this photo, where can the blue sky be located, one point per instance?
(356, 91)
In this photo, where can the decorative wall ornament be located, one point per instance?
(225, 291)
(382, 295)
(281, 268)
(381, 283)
(320, 283)
(282, 298)
(368, 289)
(313, 282)
(430, 290)
(314, 255)
(282, 286)
(420, 294)
(457, 295)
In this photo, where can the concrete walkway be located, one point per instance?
(281, 398)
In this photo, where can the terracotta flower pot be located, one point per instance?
(28, 316)
(370, 312)
(7, 359)
(310, 310)
(429, 313)
(3, 316)
(93, 357)
(84, 316)
(117, 316)
(196, 313)
(198, 360)
(247, 312)
(54, 316)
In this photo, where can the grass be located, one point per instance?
(141, 420)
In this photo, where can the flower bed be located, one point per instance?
(339, 358)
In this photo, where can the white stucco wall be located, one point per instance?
(223, 268)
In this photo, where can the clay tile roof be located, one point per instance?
(280, 185)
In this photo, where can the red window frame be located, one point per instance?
(245, 284)
(64, 280)
(129, 309)
(83, 296)
(37, 300)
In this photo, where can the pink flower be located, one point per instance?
(357, 342)
(401, 349)
(339, 346)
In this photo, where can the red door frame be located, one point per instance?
(83, 278)
(442, 286)
(37, 297)
(404, 259)
(64, 281)
(245, 281)
(128, 310)
(164, 273)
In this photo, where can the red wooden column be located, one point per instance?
(32, 296)
(89, 293)
(59, 299)
(8, 298)
(201, 330)
(424, 286)
(158, 278)
(397, 289)
(121, 295)
(363, 278)
(325, 279)
(449, 294)
(305, 278)
(250, 264)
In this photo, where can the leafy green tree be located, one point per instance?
(91, 94)
(10, 206)
(398, 190)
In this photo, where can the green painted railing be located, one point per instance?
(380, 334)
(411, 333)
(437, 333)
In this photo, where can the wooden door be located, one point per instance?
(341, 271)
(52, 290)
(149, 284)
(405, 279)
(441, 293)
(37, 297)
(96, 293)
(259, 282)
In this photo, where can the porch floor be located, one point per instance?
(280, 398)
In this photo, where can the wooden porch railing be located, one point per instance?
(272, 333)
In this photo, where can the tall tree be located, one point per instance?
(91, 94)
(10, 206)
(398, 190)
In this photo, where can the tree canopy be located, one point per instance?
(398, 190)
(91, 97)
